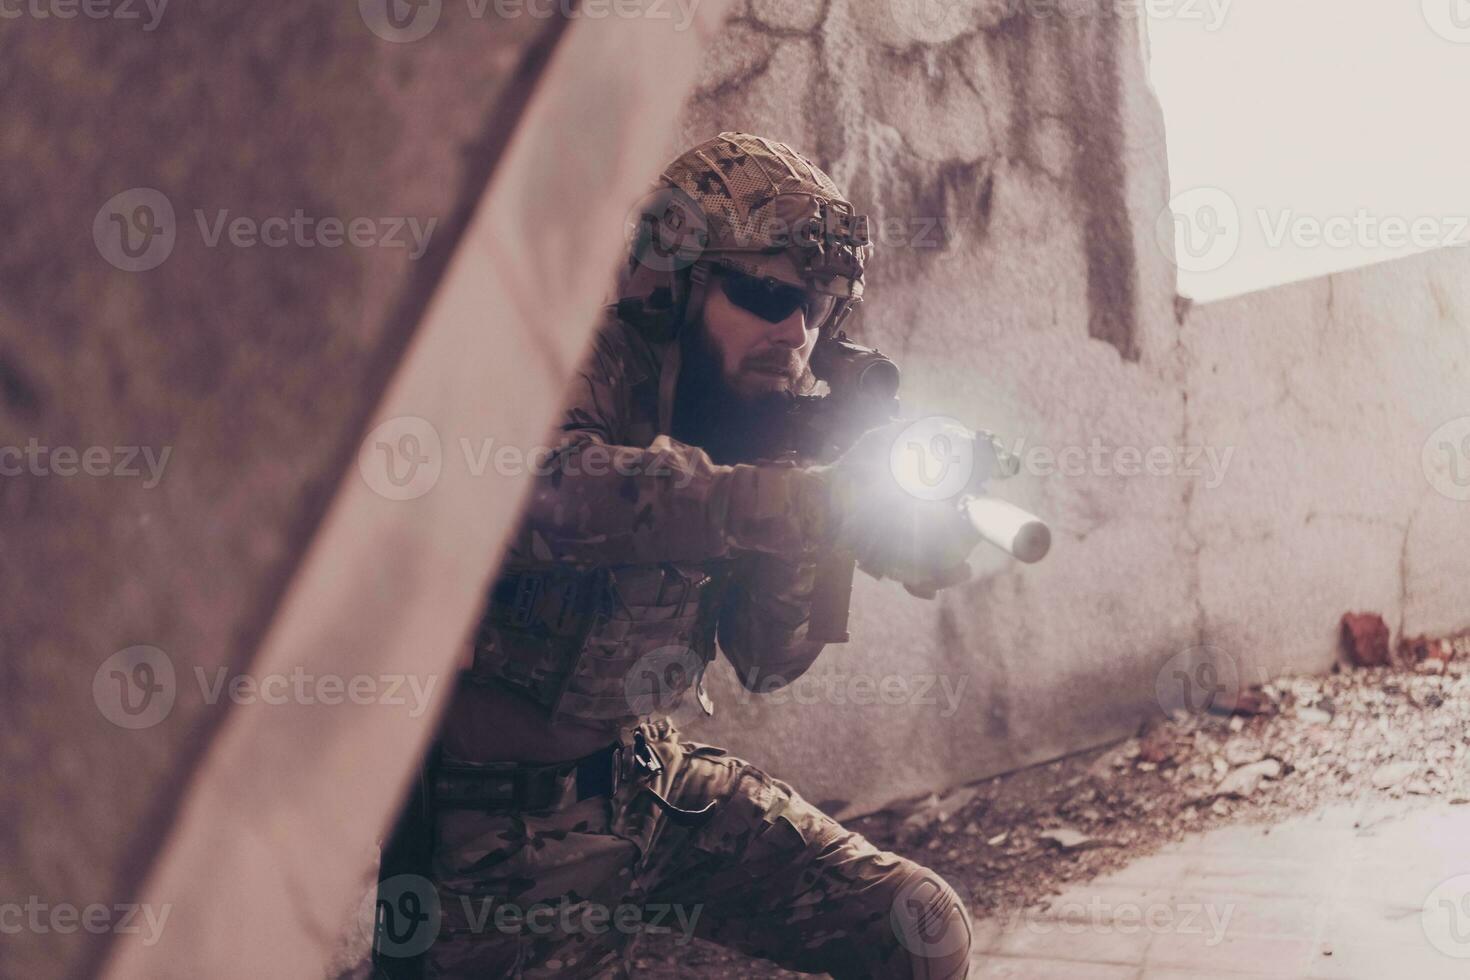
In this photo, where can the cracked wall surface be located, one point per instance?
(1013, 167)
(1044, 307)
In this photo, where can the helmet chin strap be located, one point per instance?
(689, 292)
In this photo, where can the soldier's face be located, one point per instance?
(759, 355)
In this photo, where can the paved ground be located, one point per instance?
(1377, 890)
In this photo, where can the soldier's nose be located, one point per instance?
(790, 332)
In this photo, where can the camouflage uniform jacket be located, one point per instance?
(635, 552)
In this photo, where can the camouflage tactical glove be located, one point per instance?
(892, 532)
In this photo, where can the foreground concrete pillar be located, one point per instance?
(163, 766)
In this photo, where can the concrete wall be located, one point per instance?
(1347, 400)
(1016, 165)
(255, 367)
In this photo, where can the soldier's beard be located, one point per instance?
(730, 425)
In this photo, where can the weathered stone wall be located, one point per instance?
(1016, 166)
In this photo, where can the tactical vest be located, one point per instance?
(614, 643)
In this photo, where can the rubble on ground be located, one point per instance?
(1400, 730)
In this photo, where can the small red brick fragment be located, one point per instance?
(1365, 639)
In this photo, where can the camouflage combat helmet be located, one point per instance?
(739, 201)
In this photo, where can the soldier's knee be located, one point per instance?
(932, 926)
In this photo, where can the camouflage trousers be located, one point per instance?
(568, 891)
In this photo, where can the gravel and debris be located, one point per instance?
(1294, 745)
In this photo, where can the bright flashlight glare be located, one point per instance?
(934, 458)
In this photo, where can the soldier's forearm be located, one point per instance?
(597, 503)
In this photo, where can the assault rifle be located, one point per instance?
(862, 395)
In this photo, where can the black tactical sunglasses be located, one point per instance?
(773, 300)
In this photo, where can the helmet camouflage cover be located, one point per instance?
(743, 202)
(756, 197)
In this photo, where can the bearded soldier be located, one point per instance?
(672, 522)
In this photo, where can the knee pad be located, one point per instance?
(932, 926)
